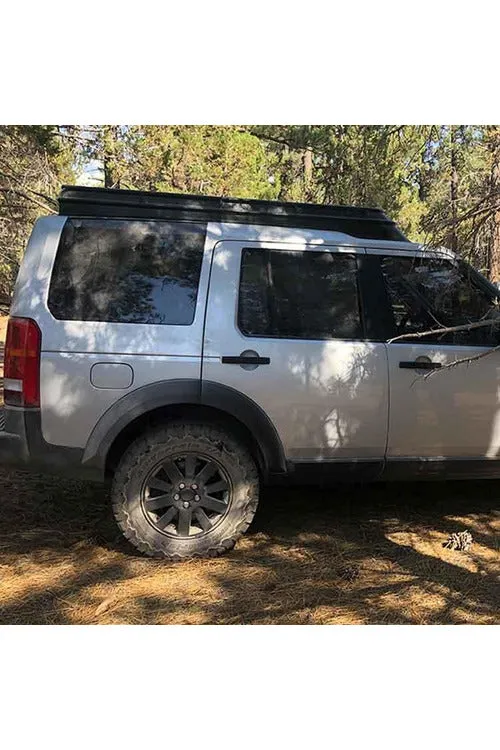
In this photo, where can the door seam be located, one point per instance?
(205, 315)
(386, 348)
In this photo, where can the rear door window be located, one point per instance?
(127, 271)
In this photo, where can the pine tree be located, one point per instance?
(33, 164)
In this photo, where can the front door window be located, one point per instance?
(433, 293)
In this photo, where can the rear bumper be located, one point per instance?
(22, 444)
(13, 440)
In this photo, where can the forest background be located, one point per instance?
(440, 183)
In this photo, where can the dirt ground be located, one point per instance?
(347, 554)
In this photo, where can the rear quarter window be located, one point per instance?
(127, 271)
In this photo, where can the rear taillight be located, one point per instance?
(22, 363)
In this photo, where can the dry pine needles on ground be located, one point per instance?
(362, 555)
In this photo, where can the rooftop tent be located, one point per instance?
(366, 223)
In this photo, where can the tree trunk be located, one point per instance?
(308, 169)
(453, 190)
(109, 156)
(494, 246)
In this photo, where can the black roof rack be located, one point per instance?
(367, 223)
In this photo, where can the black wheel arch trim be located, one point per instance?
(253, 417)
(189, 392)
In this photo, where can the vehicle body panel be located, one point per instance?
(448, 413)
(70, 404)
(328, 399)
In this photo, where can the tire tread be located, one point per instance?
(171, 435)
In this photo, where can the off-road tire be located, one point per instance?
(158, 445)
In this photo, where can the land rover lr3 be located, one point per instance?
(191, 348)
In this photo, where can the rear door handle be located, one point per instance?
(420, 365)
(246, 360)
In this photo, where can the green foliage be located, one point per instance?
(33, 163)
(203, 159)
(440, 183)
(473, 166)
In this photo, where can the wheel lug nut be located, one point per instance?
(194, 486)
(176, 497)
(185, 504)
(181, 486)
(197, 498)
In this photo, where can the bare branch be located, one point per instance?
(28, 197)
(79, 138)
(9, 177)
(274, 139)
(462, 361)
(487, 205)
(451, 329)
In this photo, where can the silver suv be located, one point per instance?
(190, 348)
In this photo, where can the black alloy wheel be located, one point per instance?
(186, 495)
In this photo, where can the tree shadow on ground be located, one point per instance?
(344, 554)
(338, 559)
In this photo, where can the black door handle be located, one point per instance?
(420, 365)
(242, 360)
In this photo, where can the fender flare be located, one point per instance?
(190, 392)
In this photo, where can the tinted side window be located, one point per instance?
(124, 271)
(428, 293)
(306, 295)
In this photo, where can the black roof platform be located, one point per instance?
(366, 223)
